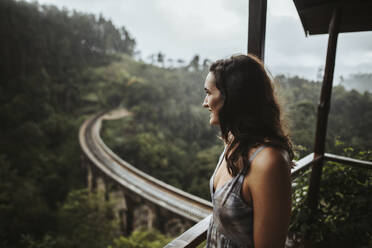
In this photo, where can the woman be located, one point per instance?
(251, 185)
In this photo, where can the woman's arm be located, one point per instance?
(270, 187)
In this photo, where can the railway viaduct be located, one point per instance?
(138, 199)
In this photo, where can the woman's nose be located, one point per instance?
(205, 104)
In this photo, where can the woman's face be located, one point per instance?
(213, 100)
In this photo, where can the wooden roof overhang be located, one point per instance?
(316, 15)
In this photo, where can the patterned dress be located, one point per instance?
(232, 222)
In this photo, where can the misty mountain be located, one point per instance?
(359, 81)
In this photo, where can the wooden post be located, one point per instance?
(323, 110)
(257, 27)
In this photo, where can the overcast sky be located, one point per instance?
(218, 28)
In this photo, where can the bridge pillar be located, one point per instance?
(144, 215)
(120, 208)
(175, 226)
(130, 209)
(89, 172)
(100, 185)
(94, 181)
(172, 224)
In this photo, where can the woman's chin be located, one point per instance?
(213, 122)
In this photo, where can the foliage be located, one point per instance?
(84, 221)
(203, 244)
(142, 239)
(16, 193)
(349, 118)
(45, 53)
(47, 242)
(87, 220)
(343, 218)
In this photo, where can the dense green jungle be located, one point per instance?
(59, 67)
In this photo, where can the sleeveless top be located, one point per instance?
(231, 224)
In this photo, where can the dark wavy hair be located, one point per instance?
(250, 115)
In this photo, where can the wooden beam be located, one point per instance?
(257, 27)
(323, 110)
(193, 236)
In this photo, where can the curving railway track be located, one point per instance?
(166, 196)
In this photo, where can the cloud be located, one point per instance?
(288, 50)
(218, 28)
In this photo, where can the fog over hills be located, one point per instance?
(361, 82)
(216, 29)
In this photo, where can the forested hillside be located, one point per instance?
(59, 66)
(43, 99)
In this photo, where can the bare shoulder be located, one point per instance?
(268, 178)
(270, 159)
(270, 164)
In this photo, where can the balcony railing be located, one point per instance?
(198, 233)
